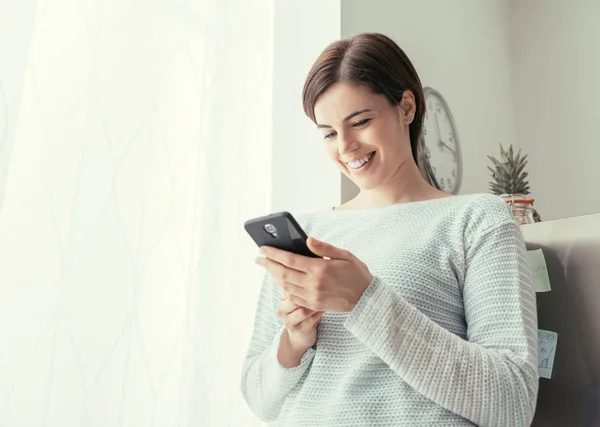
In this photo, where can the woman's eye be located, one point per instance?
(361, 123)
(330, 135)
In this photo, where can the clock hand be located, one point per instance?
(440, 142)
(443, 144)
(437, 125)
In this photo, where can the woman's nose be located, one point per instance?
(346, 144)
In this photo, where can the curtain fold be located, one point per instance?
(141, 144)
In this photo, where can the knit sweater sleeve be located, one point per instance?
(265, 383)
(491, 377)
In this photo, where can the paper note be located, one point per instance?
(546, 350)
(540, 271)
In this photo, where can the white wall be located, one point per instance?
(556, 66)
(461, 48)
(303, 177)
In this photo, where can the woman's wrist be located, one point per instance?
(289, 354)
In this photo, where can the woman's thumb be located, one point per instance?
(322, 249)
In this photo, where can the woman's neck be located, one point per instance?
(406, 185)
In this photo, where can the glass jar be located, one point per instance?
(522, 207)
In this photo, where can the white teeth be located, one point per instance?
(360, 162)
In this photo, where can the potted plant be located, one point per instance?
(509, 179)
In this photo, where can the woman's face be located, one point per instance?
(365, 136)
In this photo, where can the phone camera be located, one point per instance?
(270, 228)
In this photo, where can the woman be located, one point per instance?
(422, 311)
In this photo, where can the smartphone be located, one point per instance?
(279, 230)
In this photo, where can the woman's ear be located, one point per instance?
(408, 107)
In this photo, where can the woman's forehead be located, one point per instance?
(342, 99)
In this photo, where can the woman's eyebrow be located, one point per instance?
(348, 117)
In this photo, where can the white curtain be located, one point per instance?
(137, 144)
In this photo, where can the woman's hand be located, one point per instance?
(300, 324)
(333, 284)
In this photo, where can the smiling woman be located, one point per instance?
(370, 106)
(421, 310)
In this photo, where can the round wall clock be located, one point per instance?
(440, 158)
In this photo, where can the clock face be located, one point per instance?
(441, 142)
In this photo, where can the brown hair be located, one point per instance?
(373, 60)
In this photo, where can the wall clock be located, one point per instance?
(439, 153)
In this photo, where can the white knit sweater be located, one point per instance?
(445, 335)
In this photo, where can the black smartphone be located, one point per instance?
(279, 230)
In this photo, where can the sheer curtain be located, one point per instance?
(138, 142)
